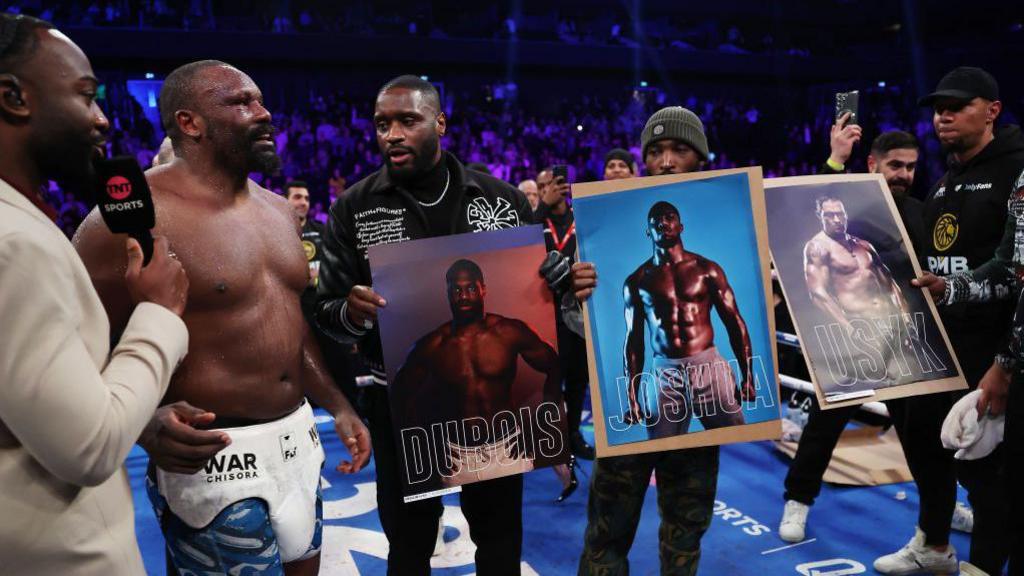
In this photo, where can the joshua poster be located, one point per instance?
(470, 350)
(680, 339)
(845, 265)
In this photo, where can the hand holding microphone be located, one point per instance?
(163, 281)
(126, 203)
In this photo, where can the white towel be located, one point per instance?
(962, 431)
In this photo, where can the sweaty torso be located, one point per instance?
(476, 364)
(853, 280)
(246, 271)
(676, 299)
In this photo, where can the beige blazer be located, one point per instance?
(70, 409)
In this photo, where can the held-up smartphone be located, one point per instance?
(560, 171)
(847, 102)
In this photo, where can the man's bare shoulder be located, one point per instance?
(707, 268)
(431, 340)
(92, 229)
(510, 328)
(862, 243)
(496, 321)
(818, 246)
(704, 263)
(166, 177)
(638, 275)
(274, 202)
(261, 193)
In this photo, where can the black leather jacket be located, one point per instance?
(376, 210)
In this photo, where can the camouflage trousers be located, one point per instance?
(686, 482)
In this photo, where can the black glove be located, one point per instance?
(555, 270)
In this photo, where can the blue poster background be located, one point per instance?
(718, 223)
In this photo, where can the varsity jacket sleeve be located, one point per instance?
(340, 270)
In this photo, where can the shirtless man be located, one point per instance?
(472, 360)
(847, 279)
(674, 292)
(252, 357)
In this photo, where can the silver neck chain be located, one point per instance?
(447, 181)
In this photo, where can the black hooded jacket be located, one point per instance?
(964, 220)
(377, 210)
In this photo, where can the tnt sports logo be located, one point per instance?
(946, 230)
(310, 249)
(119, 188)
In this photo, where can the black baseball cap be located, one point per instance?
(964, 83)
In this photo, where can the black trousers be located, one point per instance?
(572, 354)
(493, 509)
(918, 422)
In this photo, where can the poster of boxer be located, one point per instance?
(681, 341)
(845, 264)
(470, 350)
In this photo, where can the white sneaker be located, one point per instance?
(916, 558)
(963, 518)
(968, 569)
(439, 544)
(794, 519)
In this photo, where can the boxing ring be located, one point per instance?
(742, 539)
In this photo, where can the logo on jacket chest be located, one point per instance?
(483, 215)
(945, 232)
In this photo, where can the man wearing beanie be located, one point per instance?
(672, 142)
(618, 164)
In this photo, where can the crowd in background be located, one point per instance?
(328, 140)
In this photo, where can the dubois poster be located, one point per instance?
(470, 350)
(680, 341)
(845, 265)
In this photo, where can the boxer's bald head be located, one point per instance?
(466, 290)
(179, 91)
(662, 207)
(664, 226)
(216, 109)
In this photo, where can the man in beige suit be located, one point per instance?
(70, 408)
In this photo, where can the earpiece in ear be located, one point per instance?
(14, 97)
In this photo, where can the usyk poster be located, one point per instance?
(845, 264)
(471, 354)
(681, 343)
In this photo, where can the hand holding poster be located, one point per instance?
(845, 265)
(680, 341)
(469, 345)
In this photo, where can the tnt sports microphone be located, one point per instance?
(125, 201)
